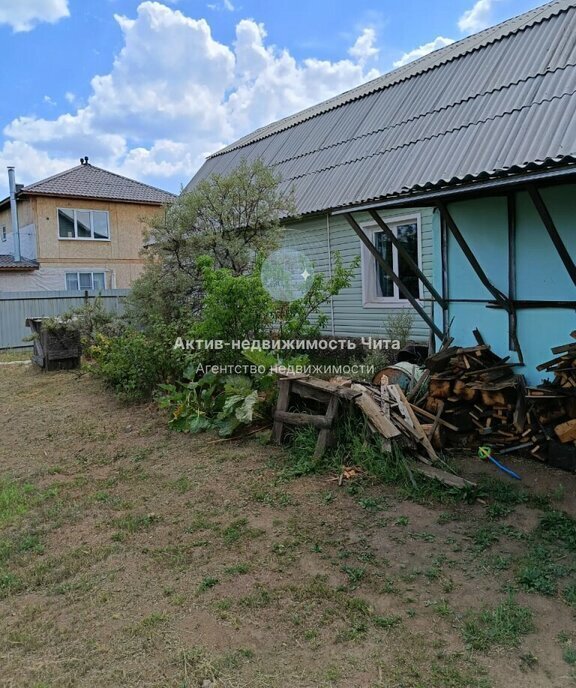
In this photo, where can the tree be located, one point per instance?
(232, 219)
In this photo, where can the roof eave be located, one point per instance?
(418, 198)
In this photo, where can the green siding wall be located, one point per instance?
(347, 316)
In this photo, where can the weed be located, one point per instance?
(207, 583)
(495, 511)
(558, 527)
(237, 569)
(259, 599)
(539, 572)
(239, 530)
(148, 626)
(570, 594)
(528, 661)
(15, 500)
(569, 655)
(183, 484)
(501, 626)
(355, 575)
(20, 544)
(402, 521)
(387, 622)
(134, 524)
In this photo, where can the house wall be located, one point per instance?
(119, 258)
(321, 236)
(540, 274)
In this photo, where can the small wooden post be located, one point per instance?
(281, 405)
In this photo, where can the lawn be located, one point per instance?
(134, 556)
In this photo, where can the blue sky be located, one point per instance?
(148, 89)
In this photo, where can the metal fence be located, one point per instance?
(16, 306)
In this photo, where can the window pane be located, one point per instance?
(85, 280)
(100, 224)
(385, 286)
(83, 224)
(408, 236)
(66, 224)
(98, 280)
(72, 280)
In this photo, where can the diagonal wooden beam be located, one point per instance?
(390, 272)
(453, 227)
(546, 218)
(407, 257)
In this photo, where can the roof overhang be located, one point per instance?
(476, 189)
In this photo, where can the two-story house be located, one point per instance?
(80, 229)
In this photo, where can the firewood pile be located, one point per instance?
(390, 416)
(482, 400)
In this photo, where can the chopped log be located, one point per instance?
(439, 389)
(566, 432)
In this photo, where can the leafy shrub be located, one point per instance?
(214, 402)
(235, 308)
(135, 363)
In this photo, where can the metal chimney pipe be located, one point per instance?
(14, 215)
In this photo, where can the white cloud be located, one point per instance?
(477, 18)
(364, 48)
(24, 15)
(175, 94)
(224, 5)
(438, 42)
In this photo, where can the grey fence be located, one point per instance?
(16, 306)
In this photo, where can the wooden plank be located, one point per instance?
(405, 406)
(325, 435)
(443, 476)
(302, 419)
(372, 411)
(431, 416)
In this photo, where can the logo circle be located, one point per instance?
(287, 274)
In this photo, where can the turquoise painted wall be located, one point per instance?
(347, 316)
(540, 274)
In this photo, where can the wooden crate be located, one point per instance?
(54, 348)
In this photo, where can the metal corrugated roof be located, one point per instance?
(502, 99)
(88, 181)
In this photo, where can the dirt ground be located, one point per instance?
(131, 555)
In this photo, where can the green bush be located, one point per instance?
(135, 363)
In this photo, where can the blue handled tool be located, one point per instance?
(486, 453)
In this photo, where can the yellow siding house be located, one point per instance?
(80, 229)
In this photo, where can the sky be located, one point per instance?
(149, 88)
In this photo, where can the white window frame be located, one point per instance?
(83, 272)
(369, 272)
(82, 210)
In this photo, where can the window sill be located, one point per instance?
(388, 303)
(98, 241)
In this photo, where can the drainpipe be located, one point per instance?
(14, 214)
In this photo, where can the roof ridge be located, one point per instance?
(454, 51)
